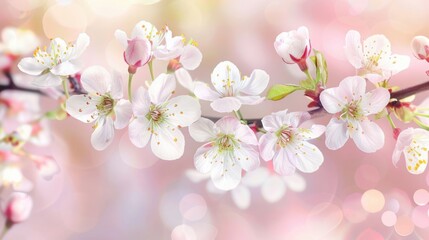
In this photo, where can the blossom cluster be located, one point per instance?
(155, 115)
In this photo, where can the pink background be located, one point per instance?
(126, 193)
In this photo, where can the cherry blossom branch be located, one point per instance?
(410, 91)
(12, 86)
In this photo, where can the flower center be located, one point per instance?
(352, 110)
(285, 136)
(226, 142)
(156, 114)
(105, 107)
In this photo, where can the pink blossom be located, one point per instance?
(137, 53)
(294, 46)
(18, 207)
(420, 46)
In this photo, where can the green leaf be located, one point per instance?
(280, 91)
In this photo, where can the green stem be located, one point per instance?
(150, 65)
(238, 115)
(421, 124)
(130, 80)
(392, 124)
(4, 231)
(66, 89)
(422, 114)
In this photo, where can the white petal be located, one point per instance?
(294, 119)
(141, 102)
(162, 88)
(374, 78)
(336, 134)
(96, 79)
(202, 130)
(78, 108)
(330, 100)
(185, 79)
(65, 69)
(305, 156)
(31, 66)
(226, 104)
(226, 73)
(375, 101)
(376, 46)
(226, 175)
(183, 110)
(81, 44)
(247, 157)
(314, 132)
(47, 80)
(168, 143)
(123, 113)
(274, 121)
(245, 134)
(273, 189)
(267, 145)
(144, 30)
(354, 49)
(205, 157)
(191, 57)
(352, 88)
(122, 37)
(241, 197)
(281, 162)
(369, 137)
(416, 159)
(228, 124)
(202, 91)
(250, 100)
(256, 84)
(103, 134)
(139, 131)
(396, 63)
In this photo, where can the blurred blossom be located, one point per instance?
(18, 207)
(47, 166)
(420, 46)
(12, 176)
(17, 41)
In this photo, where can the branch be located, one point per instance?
(410, 91)
(12, 86)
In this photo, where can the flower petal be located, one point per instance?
(185, 79)
(141, 102)
(226, 104)
(281, 162)
(116, 88)
(256, 84)
(376, 46)
(226, 175)
(161, 88)
(47, 80)
(353, 49)
(228, 124)
(202, 130)
(369, 137)
(247, 157)
(241, 196)
(256, 178)
(78, 108)
(122, 37)
(191, 57)
(267, 145)
(305, 156)
(205, 157)
(336, 134)
(30, 66)
(103, 134)
(245, 134)
(330, 100)
(352, 88)
(144, 30)
(183, 110)
(314, 132)
(273, 189)
(139, 132)
(274, 121)
(225, 77)
(202, 91)
(96, 79)
(123, 113)
(375, 101)
(250, 100)
(81, 44)
(65, 69)
(168, 143)
(416, 159)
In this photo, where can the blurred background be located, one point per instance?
(126, 193)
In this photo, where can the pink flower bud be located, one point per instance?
(18, 207)
(420, 45)
(137, 54)
(396, 133)
(294, 47)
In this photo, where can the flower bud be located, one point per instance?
(294, 47)
(396, 132)
(420, 46)
(137, 54)
(18, 207)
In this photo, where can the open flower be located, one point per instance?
(59, 60)
(18, 207)
(231, 147)
(294, 47)
(103, 104)
(353, 106)
(374, 60)
(420, 46)
(286, 142)
(158, 118)
(230, 86)
(414, 144)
